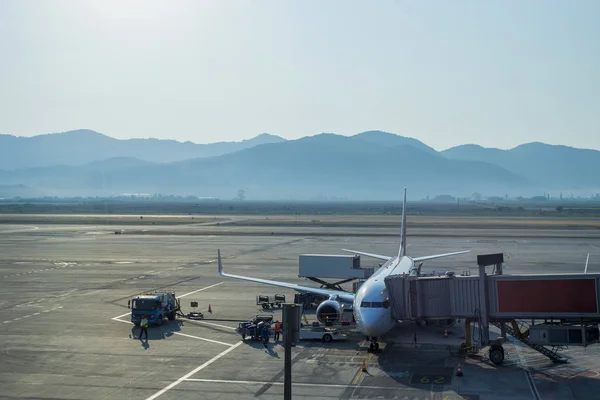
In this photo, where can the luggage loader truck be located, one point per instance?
(156, 307)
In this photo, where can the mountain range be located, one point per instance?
(371, 165)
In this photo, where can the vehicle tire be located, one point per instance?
(497, 354)
(243, 336)
(279, 305)
(172, 316)
(376, 346)
(327, 338)
(371, 347)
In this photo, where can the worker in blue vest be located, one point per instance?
(265, 335)
(144, 326)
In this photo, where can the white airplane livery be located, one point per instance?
(370, 305)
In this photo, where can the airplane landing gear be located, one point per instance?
(374, 346)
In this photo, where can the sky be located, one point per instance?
(493, 73)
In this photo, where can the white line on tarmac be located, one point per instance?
(120, 320)
(199, 338)
(330, 385)
(120, 316)
(199, 290)
(217, 325)
(186, 376)
(532, 387)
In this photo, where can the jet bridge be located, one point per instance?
(539, 310)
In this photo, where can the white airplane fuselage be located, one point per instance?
(371, 307)
(371, 304)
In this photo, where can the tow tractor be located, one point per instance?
(156, 307)
(255, 327)
(321, 333)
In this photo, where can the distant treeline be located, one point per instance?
(194, 206)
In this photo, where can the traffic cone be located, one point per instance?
(209, 309)
(364, 366)
(445, 333)
(459, 371)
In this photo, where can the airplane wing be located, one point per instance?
(439, 256)
(386, 258)
(324, 292)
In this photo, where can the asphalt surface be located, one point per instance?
(64, 330)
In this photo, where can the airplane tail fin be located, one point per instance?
(402, 249)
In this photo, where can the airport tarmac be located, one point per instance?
(64, 330)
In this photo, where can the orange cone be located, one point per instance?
(364, 366)
(459, 371)
(209, 310)
(445, 333)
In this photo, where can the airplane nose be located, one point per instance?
(369, 322)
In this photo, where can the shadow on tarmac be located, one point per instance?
(156, 332)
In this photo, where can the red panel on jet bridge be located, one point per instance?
(547, 296)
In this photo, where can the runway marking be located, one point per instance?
(182, 334)
(210, 323)
(192, 372)
(532, 387)
(324, 385)
(40, 270)
(120, 316)
(31, 315)
(199, 290)
(503, 249)
(200, 338)
(596, 247)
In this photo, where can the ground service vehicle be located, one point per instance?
(156, 307)
(254, 328)
(270, 301)
(320, 333)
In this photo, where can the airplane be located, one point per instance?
(371, 304)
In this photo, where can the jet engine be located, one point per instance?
(329, 312)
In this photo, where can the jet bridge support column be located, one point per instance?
(498, 271)
(483, 307)
(483, 261)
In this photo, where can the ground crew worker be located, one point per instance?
(265, 335)
(144, 326)
(277, 330)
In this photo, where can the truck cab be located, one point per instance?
(154, 306)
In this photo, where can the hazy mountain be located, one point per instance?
(370, 165)
(387, 139)
(326, 164)
(84, 146)
(556, 167)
